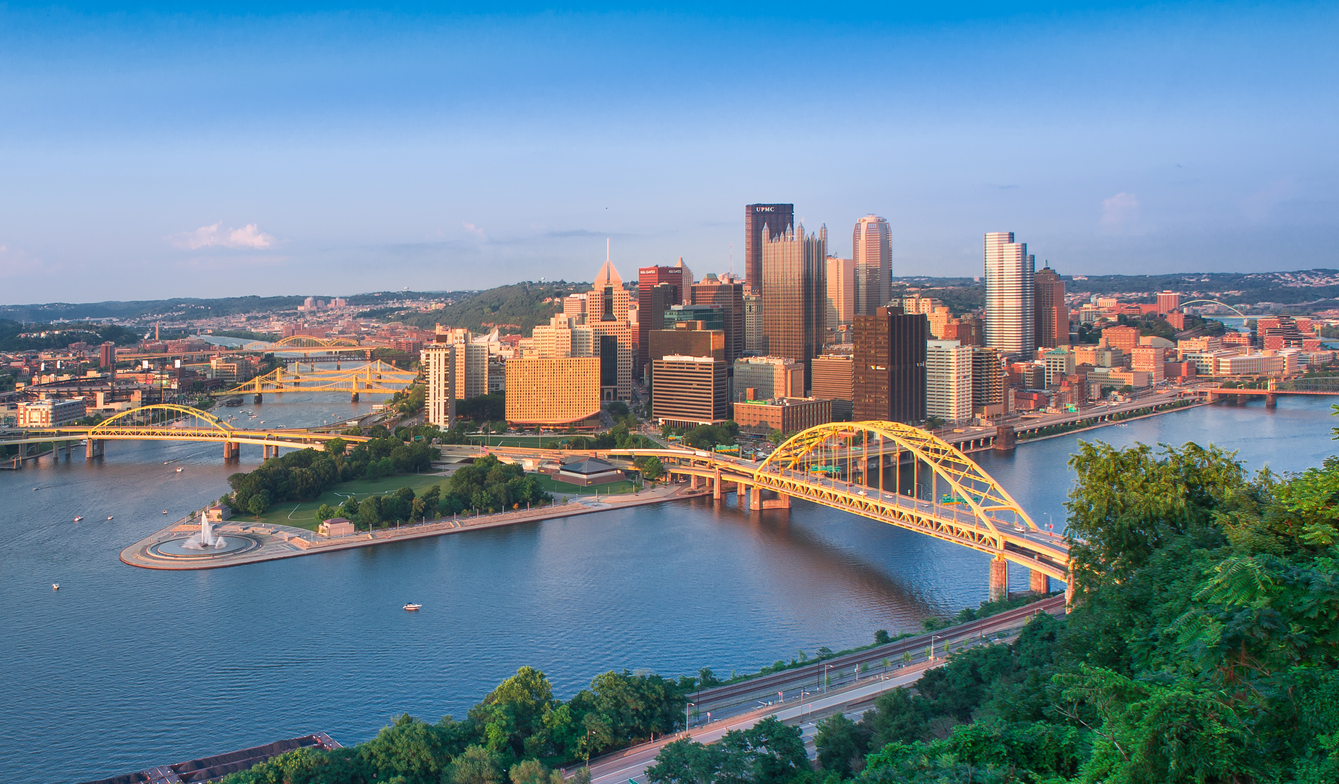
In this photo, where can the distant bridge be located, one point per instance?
(167, 422)
(1274, 388)
(374, 378)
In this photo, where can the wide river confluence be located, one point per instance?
(125, 668)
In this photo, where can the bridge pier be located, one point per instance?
(1271, 401)
(259, 398)
(999, 579)
(716, 487)
(92, 448)
(353, 398)
(1040, 583)
(231, 450)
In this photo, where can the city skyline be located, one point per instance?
(381, 150)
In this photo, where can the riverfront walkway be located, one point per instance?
(281, 541)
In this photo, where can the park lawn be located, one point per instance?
(303, 514)
(560, 489)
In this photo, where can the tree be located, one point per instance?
(841, 745)
(477, 765)
(369, 512)
(325, 512)
(258, 503)
(881, 637)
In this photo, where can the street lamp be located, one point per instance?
(826, 667)
(686, 706)
(933, 637)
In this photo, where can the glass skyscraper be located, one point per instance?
(1010, 296)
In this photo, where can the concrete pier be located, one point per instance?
(999, 579)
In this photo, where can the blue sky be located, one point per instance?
(207, 151)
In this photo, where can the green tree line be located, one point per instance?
(518, 733)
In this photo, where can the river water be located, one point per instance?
(125, 668)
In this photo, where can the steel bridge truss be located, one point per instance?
(371, 378)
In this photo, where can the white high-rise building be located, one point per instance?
(872, 253)
(1010, 295)
(439, 400)
(948, 380)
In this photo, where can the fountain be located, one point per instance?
(205, 540)
(204, 543)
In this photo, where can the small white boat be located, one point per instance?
(411, 607)
(178, 470)
(78, 518)
(55, 586)
(164, 511)
(109, 517)
(34, 489)
(165, 462)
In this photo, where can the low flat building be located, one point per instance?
(51, 413)
(587, 471)
(787, 414)
(335, 526)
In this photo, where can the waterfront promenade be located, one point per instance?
(282, 541)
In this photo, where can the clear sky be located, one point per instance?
(162, 152)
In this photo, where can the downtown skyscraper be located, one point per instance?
(778, 219)
(794, 299)
(872, 252)
(1010, 296)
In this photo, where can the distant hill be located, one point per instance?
(191, 308)
(516, 308)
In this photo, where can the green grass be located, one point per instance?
(303, 515)
(560, 489)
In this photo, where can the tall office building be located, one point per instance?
(754, 343)
(987, 382)
(841, 292)
(107, 356)
(765, 378)
(1168, 301)
(688, 391)
(890, 366)
(439, 391)
(1052, 314)
(872, 254)
(607, 317)
(729, 296)
(471, 361)
(559, 384)
(562, 338)
(794, 301)
(1010, 316)
(652, 302)
(778, 218)
(948, 381)
(834, 379)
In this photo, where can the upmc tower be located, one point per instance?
(778, 218)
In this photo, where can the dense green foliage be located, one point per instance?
(622, 435)
(304, 474)
(1202, 648)
(181, 309)
(516, 308)
(483, 408)
(769, 751)
(705, 436)
(517, 733)
(58, 336)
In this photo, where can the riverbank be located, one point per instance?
(281, 541)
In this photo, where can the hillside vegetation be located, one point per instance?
(512, 309)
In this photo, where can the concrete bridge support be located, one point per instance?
(92, 448)
(1040, 584)
(1271, 401)
(231, 450)
(259, 398)
(716, 491)
(353, 398)
(999, 579)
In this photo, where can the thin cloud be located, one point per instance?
(249, 237)
(1120, 210)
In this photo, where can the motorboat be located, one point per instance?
(164, 511)
(110, 516)
(411, 607)
(178, 470)
(78, 518)
(55, 586)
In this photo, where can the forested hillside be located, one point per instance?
(512, 309)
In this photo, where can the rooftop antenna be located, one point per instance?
(732, 259)
(606, 249)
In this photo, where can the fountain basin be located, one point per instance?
(232, 544)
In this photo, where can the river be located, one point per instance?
(124, 668)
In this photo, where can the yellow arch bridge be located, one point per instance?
(374, 378)
(893, 473)
(167, 422)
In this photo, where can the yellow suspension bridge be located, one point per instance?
(892, 473)
(168, 422)
(374, 378)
